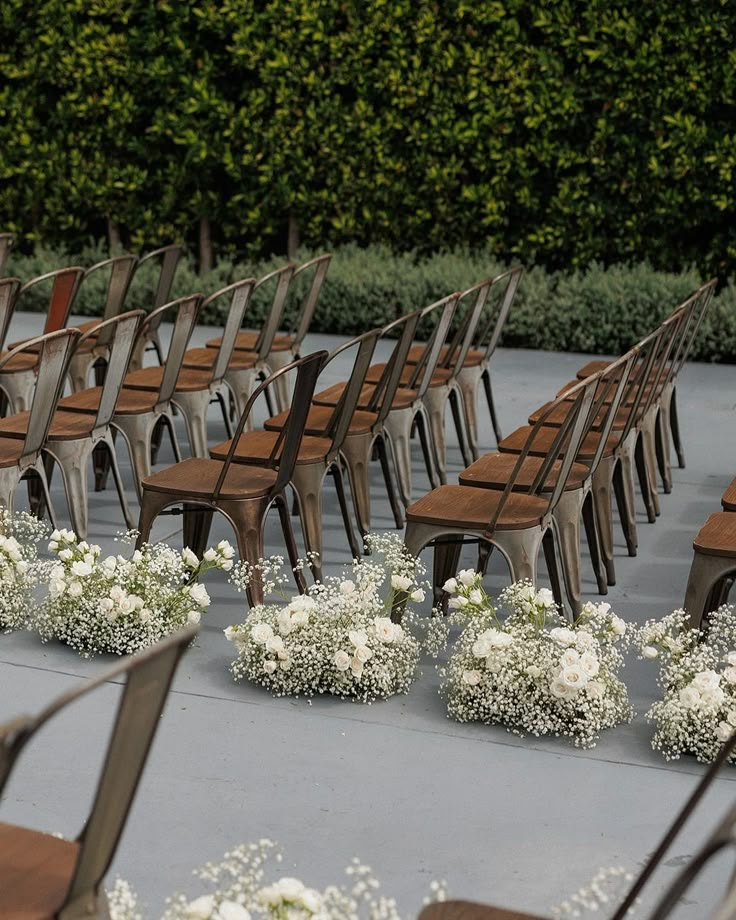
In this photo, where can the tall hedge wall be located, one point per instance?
(552, 131)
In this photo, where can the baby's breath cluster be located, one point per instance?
(533, 672)
(697, 675)
(338, 638)
(242, 892)
(120, 604)
(604, 889)
(20, 569)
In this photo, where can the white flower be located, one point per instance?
(356, 666)
(545, 598)
(401, 582)
(109, 564)
(574, 676)
(363, 653)
(649, 651)
(189, 558)
(341, 660)
(385, 629)
(106, 604)
(225, 549)
(731, 717)
(618, 625)
(457, 602)
(290, 888)
(269, 666)
(731, 658)
(467, 577)
(706, 680)
(275, 644)
(201, 908)
(347, 587)
(417, 596)
(231, 910)
(590, 664)
(595, 689)
(450, 586)
(358, 637)
(145, 615)
(65, 555)
(81, 569)
(712, 698)
(584, 640)
(284, 622)
(476, 597)
(199, 595)
(690, 697)
(300, 618)
(472, 677)
(194, 616)
(729, 675)
(569, 656)
(311, 900)
(561, 690)
(261, 633)
(533, 671)
(75, 589)
(724, 731)
(210, 555)
(562, 636)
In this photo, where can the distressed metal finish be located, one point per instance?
(6, 244)
(96, 349)
(146, 680)
(22, 458)
(168, 258)
(205, 486)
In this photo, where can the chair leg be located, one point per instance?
(241, 383)
(194, 408)
(356, 451)
(644, 480)
(117, 478)
(137, 431)
(567, 517)
(72, 458)
(282, 507)
(41, 472)
(663, 449)
(397, 508)
(435, 404)
(431, 463)
(469, 381)
(521, 549)
(247, 518)
(152, 504)
(594, 548)
(625, 504)
(398, 428)
(491, 405)
(336, 471)
(445, 565)
(277, 360)
(223, 398)
(648, 438)
(601, 493)
(458, 416)
(308, 483)
(553, 570)
(675, 428)
(196, 526)
(705, 573)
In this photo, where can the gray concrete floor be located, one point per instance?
(517, 822)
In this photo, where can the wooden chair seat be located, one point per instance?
(20, 363)
(473, 508)
(493, 471)
(202, 358)
(330, 397)
(440, 376)
(257, 446)
(592, 367)
(130, 402)
(65, 426)
(514, 443)
(717, 537)
(35, 872)
(10, 453)
(560, 413)
(190, 380)
(728, 499)
(196, 477)
(318, 419)
(474, 357)
(247, 341)
(470, 910)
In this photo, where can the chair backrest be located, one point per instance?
(184, 312)
(421, 375)
(281, 278)
(53, 351)
(385, 390)
(121, 332)
(6, 244)
(698, 304)
(168, 258)
(240, 293)
(9, 288)
(147, 679)
(502, 294)
(319, 267)
(286, 448)
(121, 271)
(462, 339)
(64, 287)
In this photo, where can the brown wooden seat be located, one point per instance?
(717, 537)
(514, 443)
(196, 478)
(472, 507)
(130, 402)
(204, 358)
(493, 471)
(470, 910)
(728, 499)
(592, 367)
(19, 363)
(150, 378)
(440, 375)
(248, 341)
(257, 447)
(318, 419)
(713, 567)
(35, 871)
(403, 398)
(43, 877)
(473, 358)
(65, 426)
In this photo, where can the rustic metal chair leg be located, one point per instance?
(430, 460)
(397, 508)
(469, 380)
(72, 457)
(644, 483)
(603, 514)
(594, 548)
(446, 560)
(194, 407)
(196, 525)
(136, 431)
(223, 399)
(491, 405)
(567, 516)
(308, 482)
(663, 451)
(623, 503)
(339, 480)
(119, 485)
(461, 428)
(247, 520)
(553, 570)
(675, 427)
(648, 439)
(398, 428)
(435, 401)
(521, 549)
(288, 531)
(705, 573)
(356, 451)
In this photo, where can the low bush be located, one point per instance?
(600, 310)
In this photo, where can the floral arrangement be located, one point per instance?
(697, 675)
(338, 637)
(534, 672)
(242, 894)
(120, 604)
(20, 569)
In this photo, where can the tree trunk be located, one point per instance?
(292, 239)
(114, 240)
(206, 260)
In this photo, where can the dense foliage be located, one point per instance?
(552, 132)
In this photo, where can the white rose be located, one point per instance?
(65, 555)
(476, 596)
(649, 651)
(569, 656)
(729, 675)
(384, 629)
(230, 910)
(401, 582)
(712, 698)
(472, 677)
(284, 622)
(189, 558)
(467, 577)
(109, 564)
(210, 555)
(457, 602)
(731, 717)
(562, 635)
(261, 633)
(300, 618)
(356, 666)
(595, 689)
(482, 647)
(690, 697)
(573, 676)
(311, 900)
(275, 644)
(81, 569)
(56, 535)
(618, 626)
(724, 731)
(347, 587)
(117, 593)
(269, 666)
(500, 639)
(493, 663)
(269, 895)
(231, 633)
(199, 595)
(194, 616)
(417, 596)
(545, 598)
(341, 660)
(290, 888)
(357, 637)
(75, 589)
(285, 663)
(706, 680)
(533, 671)
(590, 664)
(584, 640)
(57, 586)
(731, 658)
(201, 908)
(363, 653)
(145, 615)
(302, 603)
(450, 586)
(561, 690)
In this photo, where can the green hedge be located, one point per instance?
(597, 310)
(550, 131)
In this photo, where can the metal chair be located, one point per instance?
(517, 522)
(18, 377)
(22, 457)
(138, 412)
(7, 240)
(198, 385)
(243, 494)
(319, 451)
(44, 876)
(94, 350)
(73, 436)
(167, 258)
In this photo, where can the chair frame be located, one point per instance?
(7, 241)
(170, 256)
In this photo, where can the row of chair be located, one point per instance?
(566, 466)
(714, 561)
